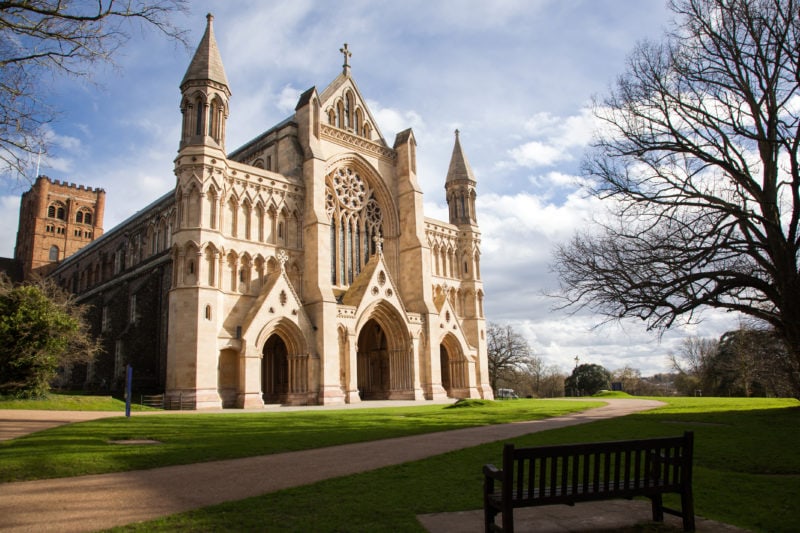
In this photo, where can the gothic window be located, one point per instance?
(87, 217)
(119, 368)
(79, 217)
(246, 215)
(132, 308)
(208, 312)
(215, 112)
(348, 110)
(269, 162)
(356, 220)
(53, 253)
(358, 121)
(260, 223)
(199, 115)
(340, 115)
(211, 261)
(233, 210)
(211, 198)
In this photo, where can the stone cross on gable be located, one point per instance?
(282, 257)
(378, 240)
(347, 54)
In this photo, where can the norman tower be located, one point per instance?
(56, 219)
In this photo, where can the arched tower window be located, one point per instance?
(53, 253)
(199, 122)
(356, 220)
(57, 210)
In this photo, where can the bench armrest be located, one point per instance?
(491, 471)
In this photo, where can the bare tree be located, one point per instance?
(44, 38)
(508, 352)
(698, 157)
(694, 364)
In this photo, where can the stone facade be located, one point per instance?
(298, 269)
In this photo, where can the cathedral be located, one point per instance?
(298, 269)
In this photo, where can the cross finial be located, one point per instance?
(282, 257)
(457, 132)
(347, 54)
(378, 240)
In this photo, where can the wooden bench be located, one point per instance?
(572, 473)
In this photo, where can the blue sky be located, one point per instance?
(515, 77)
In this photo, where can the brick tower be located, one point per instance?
(56, 219)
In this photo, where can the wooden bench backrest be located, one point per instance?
(611, 469)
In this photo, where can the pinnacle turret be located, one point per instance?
(206, 64)
(460, 187)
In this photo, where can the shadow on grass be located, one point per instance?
(737, 453)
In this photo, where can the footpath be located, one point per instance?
(90, 503)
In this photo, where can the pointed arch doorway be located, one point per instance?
(275, 370)
(454, 368)
(384, 362)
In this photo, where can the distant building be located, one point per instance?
(56, 220)
(298, 269)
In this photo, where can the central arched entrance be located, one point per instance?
(275, 370)
(384, 360)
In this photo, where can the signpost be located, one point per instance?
(128, 391)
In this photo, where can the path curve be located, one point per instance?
(89, 503)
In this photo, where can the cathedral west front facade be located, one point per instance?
(297, 269)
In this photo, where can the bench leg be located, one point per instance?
(687, 511)
(508, 519)
(488, 518)
(658, 508)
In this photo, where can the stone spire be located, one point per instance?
(459, 166)
(460, 187)
(206, 64)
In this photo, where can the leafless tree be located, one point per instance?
(698, 158)
(694, 363)
(508, 352)
(41, 39)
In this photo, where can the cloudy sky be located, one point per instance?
(516, 77)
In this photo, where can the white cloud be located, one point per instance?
(288, 97)
(9, 218)
(392, 121)
(537, 154)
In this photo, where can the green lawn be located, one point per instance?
(86, 448)
(71, 402)
(747, 469)
(747, 473)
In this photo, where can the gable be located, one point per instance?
(373, 284)
(344, 108)
(276, 299)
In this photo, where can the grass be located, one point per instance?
(747, 473)
(86, 448)
(747, 469)
(70, 402)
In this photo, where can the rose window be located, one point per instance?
(350, 189)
